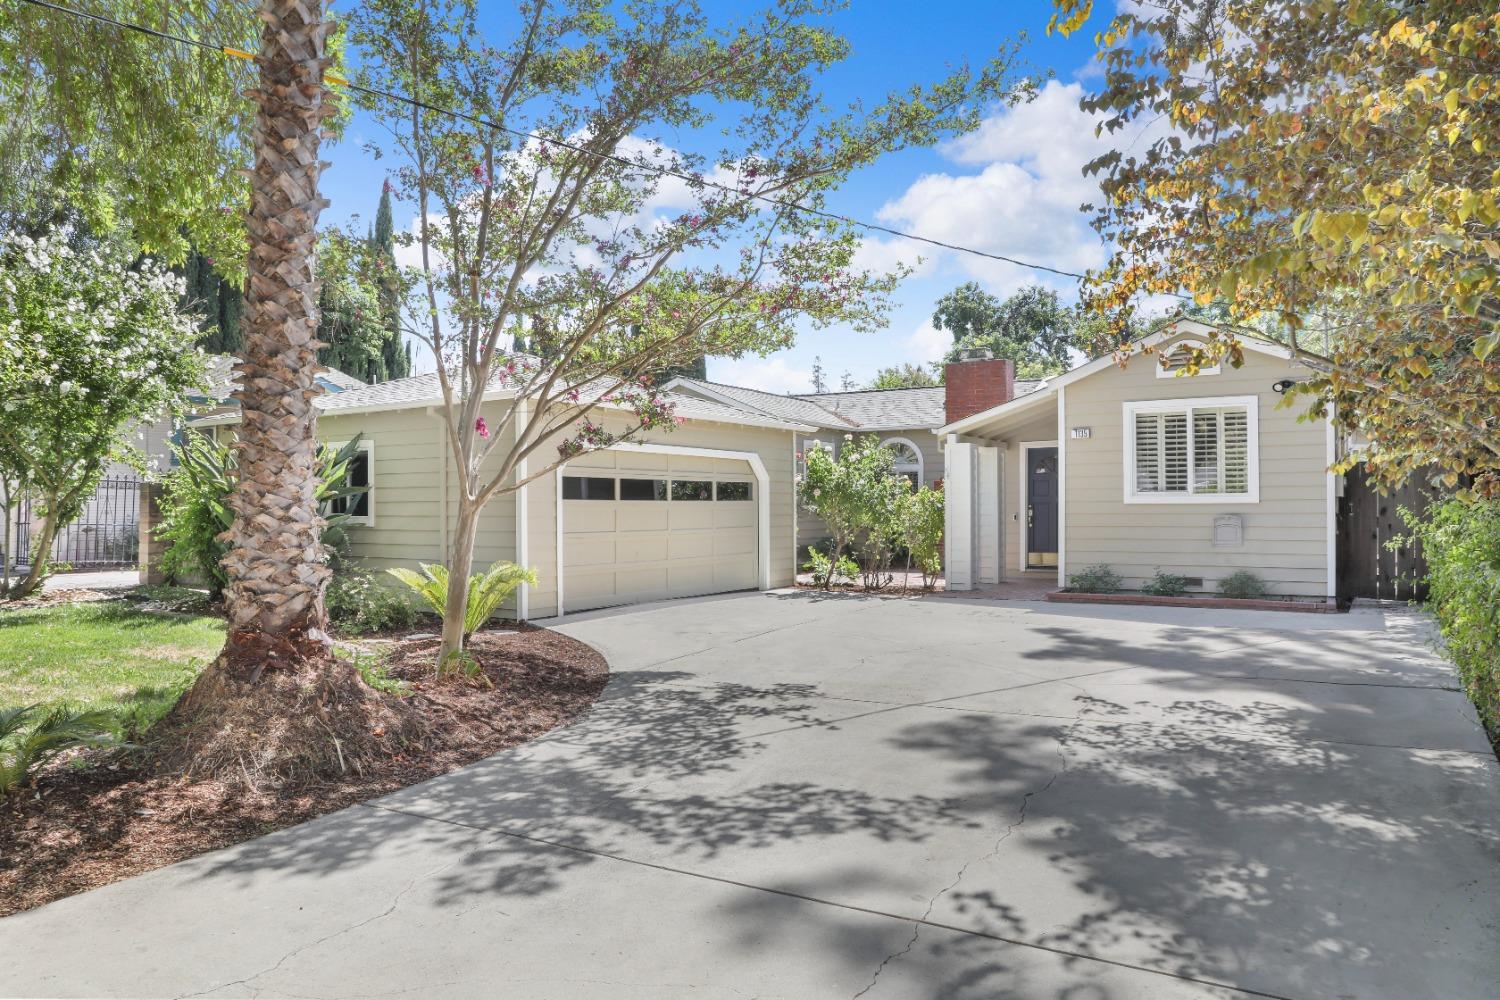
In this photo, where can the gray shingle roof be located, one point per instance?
(221, 377)
(863, 409)
(425, 390)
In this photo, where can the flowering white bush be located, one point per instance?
(93, 342)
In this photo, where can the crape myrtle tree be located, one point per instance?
(94, 344)
(1330, 178)
(570, 237)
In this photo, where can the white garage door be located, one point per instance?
(644, 527)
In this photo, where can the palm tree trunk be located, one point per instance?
(277, 707)
(277, 573)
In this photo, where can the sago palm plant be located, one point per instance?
(31, 736)
(487, 591)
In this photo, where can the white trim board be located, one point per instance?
(1332, 512)
(366, 445)
(762, 494)
(1058, 382)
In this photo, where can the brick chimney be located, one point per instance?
(977, 382)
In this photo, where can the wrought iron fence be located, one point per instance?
(107, 533)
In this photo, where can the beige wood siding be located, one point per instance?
(1285, 533)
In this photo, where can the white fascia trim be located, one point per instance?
(1252, 448)
(1008, 408)
(1057, 382)
(762, 493)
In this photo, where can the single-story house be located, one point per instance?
(1144, 467)
(906, 421)
(705, 507)
(1133, 466)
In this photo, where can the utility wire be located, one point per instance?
(697, 179)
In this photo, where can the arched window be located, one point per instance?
(908, 459)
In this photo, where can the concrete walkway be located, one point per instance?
(802, 797)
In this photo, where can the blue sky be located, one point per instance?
(1013, 187)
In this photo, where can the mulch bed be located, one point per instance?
(84, 828)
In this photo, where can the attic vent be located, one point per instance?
(1177, 358)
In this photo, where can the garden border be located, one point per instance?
(1244, 604)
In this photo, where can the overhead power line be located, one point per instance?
(660, 171)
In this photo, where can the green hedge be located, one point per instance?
(1461, 539)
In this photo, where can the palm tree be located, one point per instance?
(277, 706)
(276, 571)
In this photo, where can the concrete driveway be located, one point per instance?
(784, 796)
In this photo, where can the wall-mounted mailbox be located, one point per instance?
(1229, 530)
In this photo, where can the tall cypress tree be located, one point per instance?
(218, 300)
(395, 354)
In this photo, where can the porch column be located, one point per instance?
(958, 515)
(986, 507)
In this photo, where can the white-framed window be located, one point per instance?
(360, 508)
(1176, 357)
(1202, 450)
(908, 459)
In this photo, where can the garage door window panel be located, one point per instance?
(692, 489)
(733, 492)
(588, 488)
(643, 489)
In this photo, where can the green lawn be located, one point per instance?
(105, 654)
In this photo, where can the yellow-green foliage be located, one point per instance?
(487, 591)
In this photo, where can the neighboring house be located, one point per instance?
(106, 532)
(705, 507)
(1144, 469)
(905, 420)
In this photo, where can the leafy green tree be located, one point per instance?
(858, 495)
(351, 320)
(1032, 327)
(95, 344)
(558, 238)
(144, 138)
(906, 376)
(1327, 176)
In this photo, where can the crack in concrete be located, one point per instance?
(391, 908)
(1020, 819)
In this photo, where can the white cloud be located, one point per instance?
(773, 374)
(884, 256)
(1024, 200)
(927, 344)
